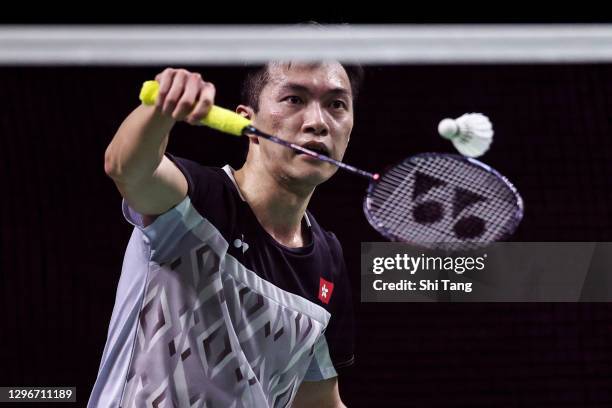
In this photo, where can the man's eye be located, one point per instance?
(338, 104)
(294, 100)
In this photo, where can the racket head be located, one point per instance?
(443, 201)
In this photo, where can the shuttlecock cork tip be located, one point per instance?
(448, 128)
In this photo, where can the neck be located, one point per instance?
(278, 205)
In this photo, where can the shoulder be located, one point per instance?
(212, 193)
(205, 182)
(327, 238)
(196, 172)
(320, 230)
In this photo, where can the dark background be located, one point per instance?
(63, 235)
(283, 12)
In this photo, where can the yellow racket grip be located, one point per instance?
(218, 118)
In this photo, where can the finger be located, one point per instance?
(205, 102)
(165, 81)
(188, 99)
(174, 94)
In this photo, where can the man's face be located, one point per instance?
(310, 105)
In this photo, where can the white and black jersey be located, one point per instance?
(211, 311)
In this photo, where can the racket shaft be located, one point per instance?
(252, 130)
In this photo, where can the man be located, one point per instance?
(231, 294)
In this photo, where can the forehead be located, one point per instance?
(319, 76)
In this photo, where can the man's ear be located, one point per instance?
(249, 113)
(245, 111)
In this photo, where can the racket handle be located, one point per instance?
(218, 118)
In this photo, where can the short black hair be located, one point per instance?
(257, 78)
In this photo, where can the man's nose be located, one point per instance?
(315, 121)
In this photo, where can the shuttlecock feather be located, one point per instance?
(471, 133)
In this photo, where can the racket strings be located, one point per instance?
(447, 171)
(393, 218)
(389, 197)
(484, 207)
(394, 223)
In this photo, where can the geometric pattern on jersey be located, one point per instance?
(212, 333)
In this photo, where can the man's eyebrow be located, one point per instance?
(340, 91)
(301, 88)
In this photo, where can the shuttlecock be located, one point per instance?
(471, 133)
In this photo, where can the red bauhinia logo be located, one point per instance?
(325, 290)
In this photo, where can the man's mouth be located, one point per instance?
(315, 147)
